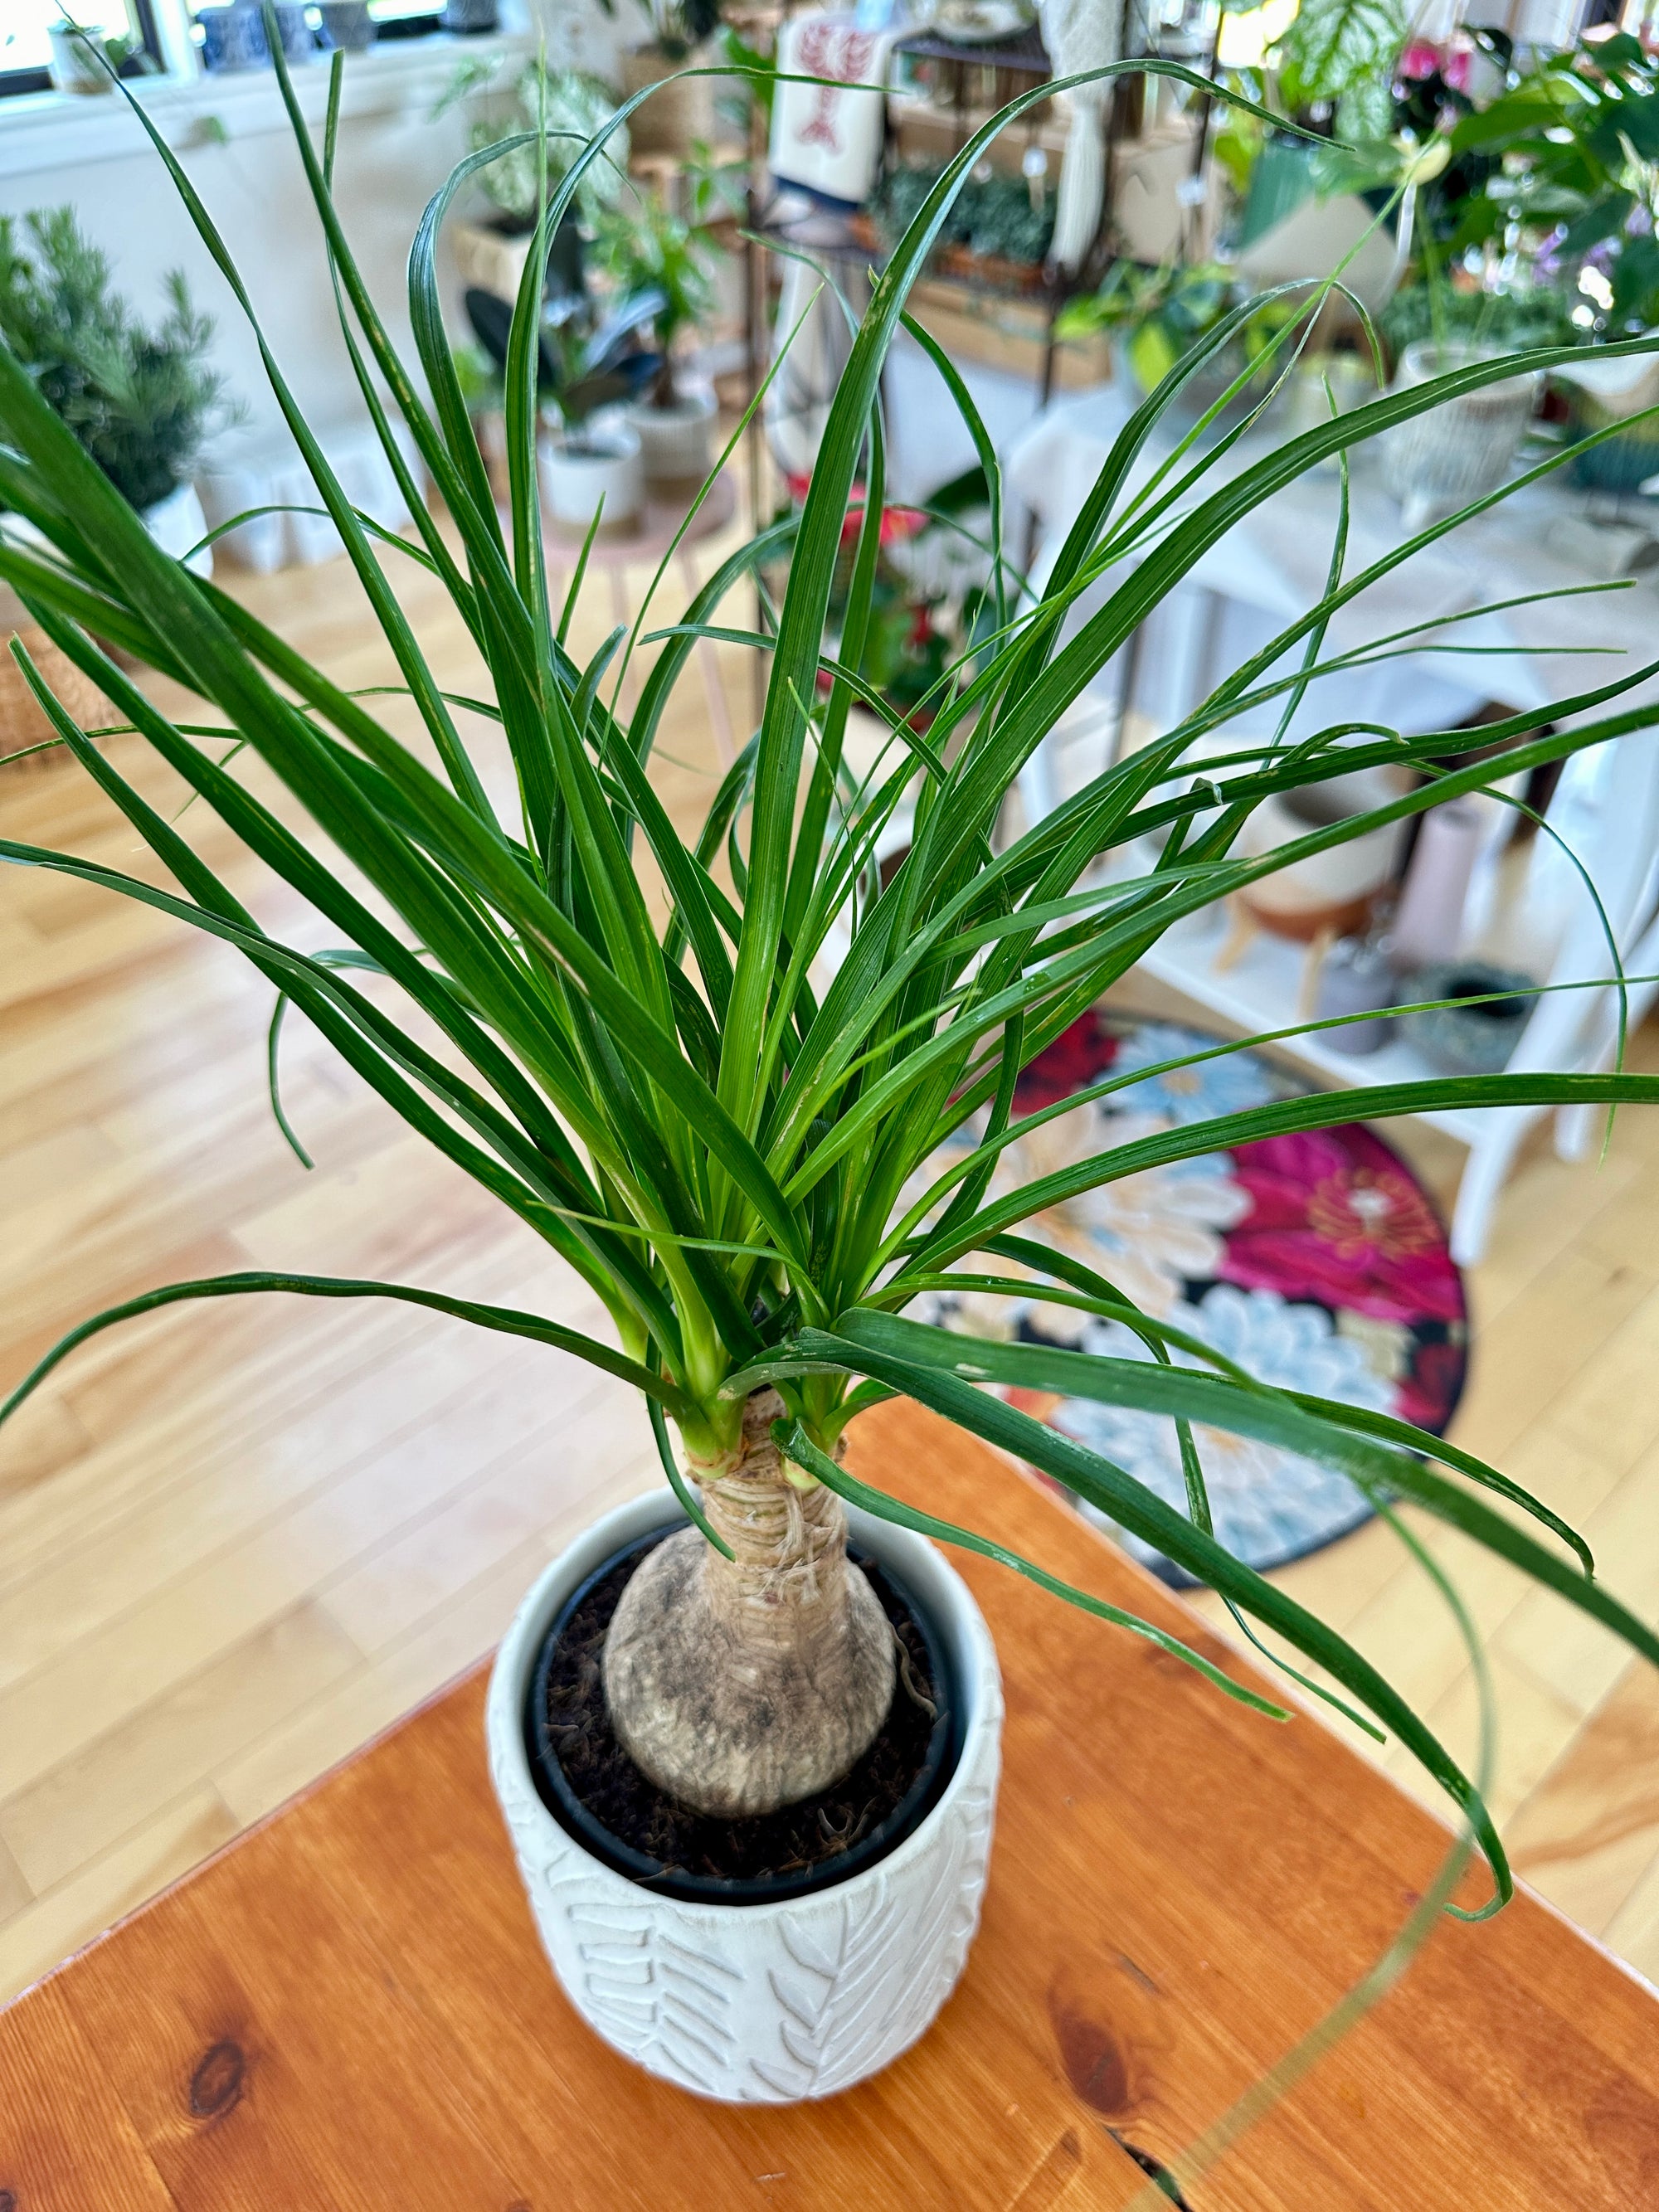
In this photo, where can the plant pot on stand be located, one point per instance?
(676, 441)
(792, 1992)
(677, 118)
(1322, 896)
(1459, 451)
(594, 468)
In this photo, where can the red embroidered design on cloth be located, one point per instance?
(828, 50)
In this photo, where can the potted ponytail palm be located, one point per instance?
(744, 1165)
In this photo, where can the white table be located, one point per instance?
(1268, 570)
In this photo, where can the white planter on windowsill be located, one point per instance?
(77, 59)
(769, 2002)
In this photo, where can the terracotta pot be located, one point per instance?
(177, 524)
(760, 2002)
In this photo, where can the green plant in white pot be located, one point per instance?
(746, 1168)
(141, 399)
(646, 247)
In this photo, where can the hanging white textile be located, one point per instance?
(827, 137)
(1080, 34)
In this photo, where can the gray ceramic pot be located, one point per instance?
(1469, 1040)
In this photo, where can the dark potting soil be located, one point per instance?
(605, 1779)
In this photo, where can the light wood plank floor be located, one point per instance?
(236, 1541)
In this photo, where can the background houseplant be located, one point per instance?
(743, 1171)
(141, 400)
(589, 364)
(646, 247)
(1161, 314)
(85, 60)
(1564, 214)
(994, 220)
(523, 167)
(680, 115)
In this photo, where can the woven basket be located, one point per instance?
(672, 121)
(22, 722)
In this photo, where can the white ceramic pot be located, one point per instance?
(1461, 450)
(676, 443)
(177, 523)
(760, 2003)
(580, 469)
(77, 58)
(1343, 877)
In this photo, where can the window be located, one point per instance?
(391, 18)
(405, 19)
(26, 44)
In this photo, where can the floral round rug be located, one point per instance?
(1317, 1263)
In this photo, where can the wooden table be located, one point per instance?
(348, 2008)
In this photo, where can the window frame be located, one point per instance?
(167, 29)
(16, 83)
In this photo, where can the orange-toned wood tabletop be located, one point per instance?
(348, 2008)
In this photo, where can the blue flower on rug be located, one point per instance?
(1230, 1084)
(1262, 1498)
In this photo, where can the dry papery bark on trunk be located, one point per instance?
(739, 1685)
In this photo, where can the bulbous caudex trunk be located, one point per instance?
(740, 1685)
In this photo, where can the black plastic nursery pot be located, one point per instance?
(933, 1745)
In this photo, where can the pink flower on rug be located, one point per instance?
(1333, 1218)
(1078, 1056)
(1426, 1394)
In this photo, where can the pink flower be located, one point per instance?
(1426, 1394)
(1078, 1056)
(1334, 1217)
(1419, 60)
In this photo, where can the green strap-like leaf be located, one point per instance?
(794, 1444)
(259, 1282)
(1145, 1514)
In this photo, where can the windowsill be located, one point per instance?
(58, 129)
